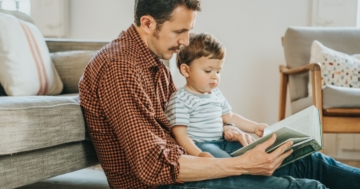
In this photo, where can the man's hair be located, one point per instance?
(161, 10)
(200, 45)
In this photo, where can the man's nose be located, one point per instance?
(184, 40)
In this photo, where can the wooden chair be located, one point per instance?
(295, 77)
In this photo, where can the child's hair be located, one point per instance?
(200, 45)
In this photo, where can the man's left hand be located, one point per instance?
(232, 133)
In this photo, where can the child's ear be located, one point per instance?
(184, 70)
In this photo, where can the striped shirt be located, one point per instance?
(200, 113)
(124, 92)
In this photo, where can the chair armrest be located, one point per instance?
(57, 45)
(309, 67)
(315, 69)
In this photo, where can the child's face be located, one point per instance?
(203, 75)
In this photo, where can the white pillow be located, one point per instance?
(337, 68)
(25, 64)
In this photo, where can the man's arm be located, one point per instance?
(181, 137)
(254, 162)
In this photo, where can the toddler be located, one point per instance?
(198, 111)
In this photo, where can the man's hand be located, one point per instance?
(259, 129)
(235, 134)
(258, 162)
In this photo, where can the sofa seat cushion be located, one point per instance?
(35, 122)
(340, 97)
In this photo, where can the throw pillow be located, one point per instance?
(337, 68)
(25, 64)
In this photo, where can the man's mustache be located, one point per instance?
(175, 48)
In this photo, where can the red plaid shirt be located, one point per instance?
(124, 92)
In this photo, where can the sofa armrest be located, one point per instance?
(57, 45)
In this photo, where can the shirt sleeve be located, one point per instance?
(226, 108)
(130, 113)
(177, 112)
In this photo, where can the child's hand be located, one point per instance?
(205, 154)
(259, 129)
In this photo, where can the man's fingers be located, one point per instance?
(281, 158)
(268, 143)
(242, 139)
(249, 138)
(280, 151)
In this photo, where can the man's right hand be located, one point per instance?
(258, 162)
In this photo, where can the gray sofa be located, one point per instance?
(45, 136)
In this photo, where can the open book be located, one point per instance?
(303, 128)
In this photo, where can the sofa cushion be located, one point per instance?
(28, 167)
(340, 97)
(25, 63)
(34, 122)
(337, 68)
(70, 66)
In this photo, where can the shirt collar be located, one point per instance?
(151, 61)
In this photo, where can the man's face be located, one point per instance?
(173, 33)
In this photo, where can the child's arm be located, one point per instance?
(244, 124)
(181, 137)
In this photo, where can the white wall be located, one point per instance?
(250, 30)
(100, 20)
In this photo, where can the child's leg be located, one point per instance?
(214, 148)
(231, 147)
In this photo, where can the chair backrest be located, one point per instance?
(297, 46)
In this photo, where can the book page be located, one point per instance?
(296, 142)
(283, 134)
(301, 121)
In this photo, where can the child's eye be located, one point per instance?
(218, 72)
(207, 71)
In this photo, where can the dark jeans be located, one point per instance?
(314, 171)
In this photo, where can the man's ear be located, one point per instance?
(184, 70)
(148, 24)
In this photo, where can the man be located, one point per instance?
(124, 92)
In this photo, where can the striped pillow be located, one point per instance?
(25, 64)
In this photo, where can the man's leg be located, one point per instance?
(250, 182)
(318, 166)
